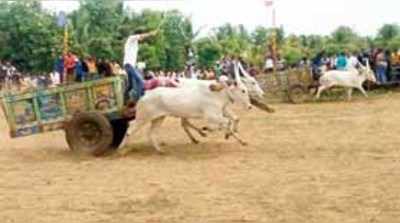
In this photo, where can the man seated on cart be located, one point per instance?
(135, 85)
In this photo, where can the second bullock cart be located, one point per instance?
(292, 85)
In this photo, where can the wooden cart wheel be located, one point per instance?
(298, 94)
(120, 127)
(90, 133)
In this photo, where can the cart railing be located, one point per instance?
(45, 110)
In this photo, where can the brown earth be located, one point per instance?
(320, 162)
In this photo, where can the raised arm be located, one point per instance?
(147, 35)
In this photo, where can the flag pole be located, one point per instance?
(272, 48)
(274, 35)
(66, 37)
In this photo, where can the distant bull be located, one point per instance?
(350, 79)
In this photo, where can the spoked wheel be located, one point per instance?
(90, 133)
(298, 94)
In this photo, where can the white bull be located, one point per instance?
(255, 92)
(350, 79)
(206, 100)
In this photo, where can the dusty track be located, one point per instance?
(328, 162)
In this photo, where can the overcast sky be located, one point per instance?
(296, 16)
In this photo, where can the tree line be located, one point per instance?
(31, 39)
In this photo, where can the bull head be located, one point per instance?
(251, 83)
(367, 72)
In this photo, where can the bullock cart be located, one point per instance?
(91, 114)
(293, 85)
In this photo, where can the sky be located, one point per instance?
(296, 16)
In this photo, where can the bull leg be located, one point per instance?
(155, 125)
(201, 132)
(241, 141)
(188, 133)
(349, 93)
(320, 90)
(233, 119)
(231, 131)
(133, 129)
(261, 105)
(225, 123)
(233, 122)
(363, 91)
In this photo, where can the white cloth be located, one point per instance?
(131, 50)
(269, 64)
(352, 62)
(55, 78)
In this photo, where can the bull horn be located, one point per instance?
(216, 87)
(244, 72)
(368, 66)
(237, 75)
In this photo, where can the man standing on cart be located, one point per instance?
(135, 86)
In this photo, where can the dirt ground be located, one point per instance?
(319, 162)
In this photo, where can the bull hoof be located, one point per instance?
(196, 142)
(244, 144)
(161, 152)
(227, 136)
(203, 134)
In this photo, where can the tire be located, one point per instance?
(90, 133)
(298, 94)
(120, 127)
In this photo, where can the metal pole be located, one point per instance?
(66, 37)
(274, 34)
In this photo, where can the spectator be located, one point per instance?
(116, 68)
(80, 71)
(381, 66)
(108, 69)
(253, 70)
(341, 63)
(92, 68)
(101, 68)
(59, 69)
(363, 58)
(352, 62)
(389, 62)
(316, 65)
(70, 61)
(269, 64)
(217, 70)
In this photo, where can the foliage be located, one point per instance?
(31, 39)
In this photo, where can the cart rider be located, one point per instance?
(135, 86)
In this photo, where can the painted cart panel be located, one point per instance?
(276, 85)
(47, 110)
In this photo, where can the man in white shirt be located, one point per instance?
(352, 62)
(269, 64)
(135, 88)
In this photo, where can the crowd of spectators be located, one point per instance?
(70, 68)
(384, 63)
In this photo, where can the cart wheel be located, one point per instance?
(90, 133)
(120, 127)
(298, 94)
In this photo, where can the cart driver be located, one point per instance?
(135, 86)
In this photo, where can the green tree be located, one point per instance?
(386, 34)
(29, 36)
(208, 52)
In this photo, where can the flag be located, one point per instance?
(62, 19)
(268, 3)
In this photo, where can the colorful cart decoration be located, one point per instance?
(91, 113)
